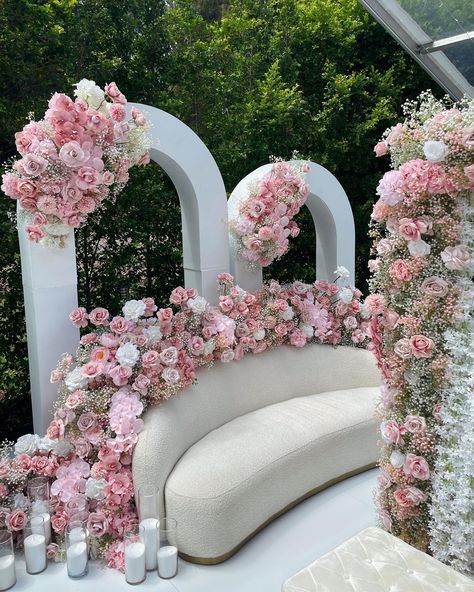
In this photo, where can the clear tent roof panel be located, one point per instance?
(439, 34)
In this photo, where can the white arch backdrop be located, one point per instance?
(50, 277)
(333, 220)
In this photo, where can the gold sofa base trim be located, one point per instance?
(228, 555)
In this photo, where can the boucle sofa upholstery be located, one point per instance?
(252, 438)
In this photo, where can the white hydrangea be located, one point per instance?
(364, 312)
(397, 459)
(345, 295)
(61, 447)
(27, 444)
(95, 488)
(133, 310)
(75, 380)
(197, 305)
(45, 445)
(20, 502)
(308, 331)
(419, 248)
(342, 272)
(88, 91)
(153, 334)
(259, 334)
(128, 354)
(435, 151)
(288, 314)
(209, 346)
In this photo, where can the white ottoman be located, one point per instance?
(375, 561)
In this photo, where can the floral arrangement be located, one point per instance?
(265, 222)
(141, 358)
(421, 327)
(75, 157)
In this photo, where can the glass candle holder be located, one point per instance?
(167, 554)
(77, 550)
(38, 497)
(134, 554)
(34, 541)
(148, 511)
(7, 561)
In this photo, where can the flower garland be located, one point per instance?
(265, 222)
(73, 159)
(142, 358)
(421, 279)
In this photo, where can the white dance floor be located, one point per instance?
(291, 542)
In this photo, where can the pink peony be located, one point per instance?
(375, 304)
(421, 346)
(298, 338)
(390, 188)
(400, 271)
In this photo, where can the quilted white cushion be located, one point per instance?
(376, 561)
(240, 475)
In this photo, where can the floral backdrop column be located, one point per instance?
(421, 328)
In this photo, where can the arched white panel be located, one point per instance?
(50, 277)
(333, 221)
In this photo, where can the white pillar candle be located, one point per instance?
(7, 572)
(77, 535)
(167, 561)
(47, 526)
(135, 563)
(150, 528)
(35, 553)
(76, 557)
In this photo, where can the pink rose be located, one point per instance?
(78, 317)
(409, 230)
(55, 429)
(32, 165)
(138, 117)
(73, 155)
(16, 520)
(99, 316)
(226, 304)
(97, 524)
(87, 178)
(438, 411)
(409, 496)
(415, 424)
(421, 346)
(403, 348)
(91, 369)
(52, 550)
(390, 319)
(86, 421)
(281, 329)
(151, 359)
(112, 91)
(3, 490)
(227, 356)
(456, 258)
(392, 432)
(435, 286)
(165, 315)
(178, 296)
(196, 345)
(35, 233)
(119, 325)
(75, 399)
(59, 521)
(417, 467)
(298, 338)
(82, 447)
(141, 384)
(381, 148)
(120, 375)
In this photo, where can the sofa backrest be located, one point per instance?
(227, 391)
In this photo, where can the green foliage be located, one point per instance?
(253, 78)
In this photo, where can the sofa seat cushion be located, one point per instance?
(240, 475)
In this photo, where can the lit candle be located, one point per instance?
(35, 553)
(135, 563)
(167, 561)
(76, 557)
(7, 572)
(150, 527)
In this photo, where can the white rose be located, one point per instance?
(342, 272)
(75, 380)
(128, 354)
(171, 375)
(45, 445)
(345, 294)
(133, 310)
(435, 151)
(153, 334)
(209, 346)
(95, 488)
(88, 91)
(198, 305)
(364, 312)
(20, 502)
(288, 314)
(419, 248)
(308, 331)
(27, 444)
(259, 334)
(384, 247)
(397, 459)
(61, 448)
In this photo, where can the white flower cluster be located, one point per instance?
(452, 509)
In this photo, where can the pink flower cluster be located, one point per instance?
(265, 219)
(74, 158)
(418, 260)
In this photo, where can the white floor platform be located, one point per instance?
(288, 544)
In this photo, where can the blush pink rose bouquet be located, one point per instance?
(73, 159)
(264, 223)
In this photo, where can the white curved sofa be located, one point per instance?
(255, 437)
